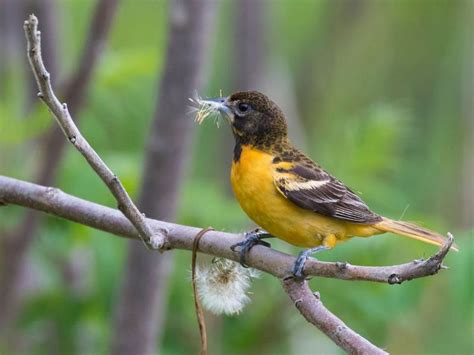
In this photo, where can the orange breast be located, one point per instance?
(252, 182)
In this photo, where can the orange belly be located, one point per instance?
(252, 182)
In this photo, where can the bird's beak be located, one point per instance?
(220, 104)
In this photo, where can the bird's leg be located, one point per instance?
(252, 238)
(301, 260)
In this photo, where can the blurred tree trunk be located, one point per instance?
(141, 308)
(249, 44)
(10, 18)
(253, 69)
(248, 55)
(14, 248)
(12, 38)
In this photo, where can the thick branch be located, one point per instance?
(311, 307)
(154, 239)
(58, 203)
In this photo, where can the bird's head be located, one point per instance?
(254, 118)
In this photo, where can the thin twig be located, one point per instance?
(313, 310)
(197, 303)
(153, 239)
(216, 243)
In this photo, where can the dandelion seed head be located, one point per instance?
(222, 287)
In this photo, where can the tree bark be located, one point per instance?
(141, 308)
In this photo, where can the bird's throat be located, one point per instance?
(275, 148)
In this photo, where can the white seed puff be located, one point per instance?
(203, 108)
(222, 287)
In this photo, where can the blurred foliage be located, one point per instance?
(378, 91)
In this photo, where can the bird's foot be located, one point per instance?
(252, 238)
(301, 260)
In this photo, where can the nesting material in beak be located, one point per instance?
(209, 107)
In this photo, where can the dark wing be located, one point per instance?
(314, 189)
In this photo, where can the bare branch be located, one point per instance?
(153, 239)
(311, 307)
(58, 203)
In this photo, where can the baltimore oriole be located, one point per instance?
(288, 194)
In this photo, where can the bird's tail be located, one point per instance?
(411, 230)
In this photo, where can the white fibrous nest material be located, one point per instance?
(222, 287)
(204, 109)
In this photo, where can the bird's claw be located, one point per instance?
(303, 256)
(252, 238)
(299, 266)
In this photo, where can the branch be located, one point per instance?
(153, 239)
(311, 307)
(60, 204)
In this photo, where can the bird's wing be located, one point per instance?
(314, 189)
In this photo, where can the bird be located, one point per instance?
(285, 192)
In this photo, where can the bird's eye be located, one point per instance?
(243, 107)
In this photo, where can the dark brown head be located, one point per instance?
(254, 118)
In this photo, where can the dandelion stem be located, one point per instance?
(197, 303)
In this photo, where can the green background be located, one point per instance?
(383, 100)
